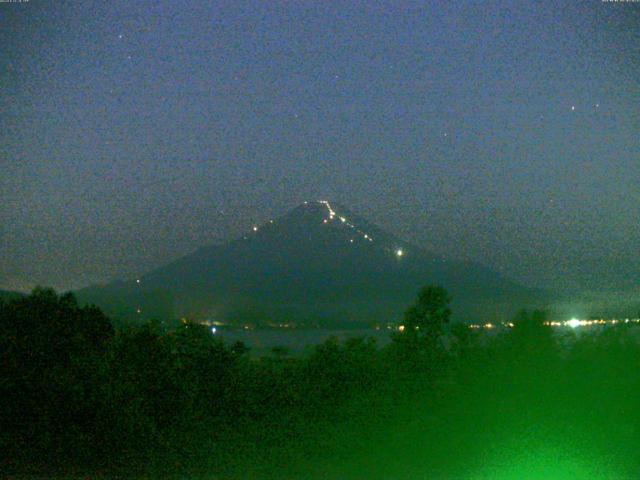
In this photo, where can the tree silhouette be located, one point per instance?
(418, 346)
(50, 351)
(531, 331)
(430, 312)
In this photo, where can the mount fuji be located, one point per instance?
(320, 265)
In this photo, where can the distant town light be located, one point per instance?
(255, 229)
(574, 322)
(399, 252)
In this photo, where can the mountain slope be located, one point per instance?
(319, 263)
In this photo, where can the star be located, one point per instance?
(573, 108)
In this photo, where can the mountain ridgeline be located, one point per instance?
(317, 265)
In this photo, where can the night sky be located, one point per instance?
(134, 132)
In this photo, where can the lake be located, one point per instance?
(297, 341)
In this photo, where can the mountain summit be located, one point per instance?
(317, 264)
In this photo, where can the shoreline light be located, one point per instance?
(574, 323)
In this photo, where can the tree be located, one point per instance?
(50, 356)
(534, 351)
(44, 330)
(428, 315)
(418, 346)
(531, 330)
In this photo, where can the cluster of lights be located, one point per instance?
(332, 215)
(401, 328)
(488, 326)
(573, 323)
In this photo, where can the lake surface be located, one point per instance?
(301, 341)
(297, 341)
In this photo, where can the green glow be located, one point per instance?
(550, 463)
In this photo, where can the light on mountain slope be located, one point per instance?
(332, 214)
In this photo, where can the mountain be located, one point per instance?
(317, 264)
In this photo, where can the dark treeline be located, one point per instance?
(79, 398)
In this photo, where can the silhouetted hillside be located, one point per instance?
(317, 264)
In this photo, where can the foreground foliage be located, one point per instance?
(78, 398)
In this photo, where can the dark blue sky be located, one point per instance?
(132, 133)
